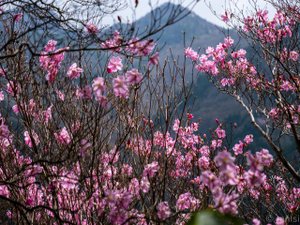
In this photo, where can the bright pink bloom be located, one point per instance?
(190, 53)
(120, 87)
(186, 201)
(248, 139)
(294, 56)
(50, 46)
(17, 18)
(280, 221)
(151, 169)
(29, 141)
(84, 93)
(63, 136)
(220, 133)
(99, 85)
(4, 191)
(163, 210)
(92, 28)
(145, 185)
(133, 76)
(74, 71)
(114, 64)
(225, 17)
(154, 59)
(1, 96)
(238, 148)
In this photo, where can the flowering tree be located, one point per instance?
(268, 90)
(112, 142)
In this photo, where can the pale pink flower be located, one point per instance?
(163, 210)
(17, 17)
(151, 169)
(256, 221)
(60, 95)
(114, 64)
(133, 76)
(50, 46)
(15, 109)
(190, 53)
(225, 17)
(120, 87)
(29, 141)
(74, 71)
(294, 56)
(4, 191)
(220, 133)
(92, 28)
(248, 139)
(1, 96)
(145, 185)
(238, 148)
(154, 59)
(280, 221)
(63, 137)
(99, 86)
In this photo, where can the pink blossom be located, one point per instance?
(29, 141)
(294, 56)
(220, 133)
(120, 87)
(280, 221)
(63, 136)
(74, 71)
(1, 96)
(92, 28)
(50, 46)
(2, 72)
(154, 59)
(256, 221)
(190, 53)
(4, 191)
(238, 148)
(163, 210)
(248, 139)
(84, 93)
(114, 64)
(145, 185)
(17, 17)
(99, 87)
(60, 95)
(204, 162)
(151, 169)
(186, 201)
(133, 76)
(225, 17)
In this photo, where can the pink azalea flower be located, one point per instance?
(99, 86)
(17, 18)
(92, 28)
(225, 17)
(74, 71)
(163, 210)
(28, 140)
(50, 46)
(133, 76)
(1, 96)
(190, 53)
(154, 59)
(120, 87)
(114, 64)
(63, 137)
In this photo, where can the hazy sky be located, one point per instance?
(201, 8)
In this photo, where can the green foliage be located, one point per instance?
(210, 217)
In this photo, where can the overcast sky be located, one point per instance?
(200, 9)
